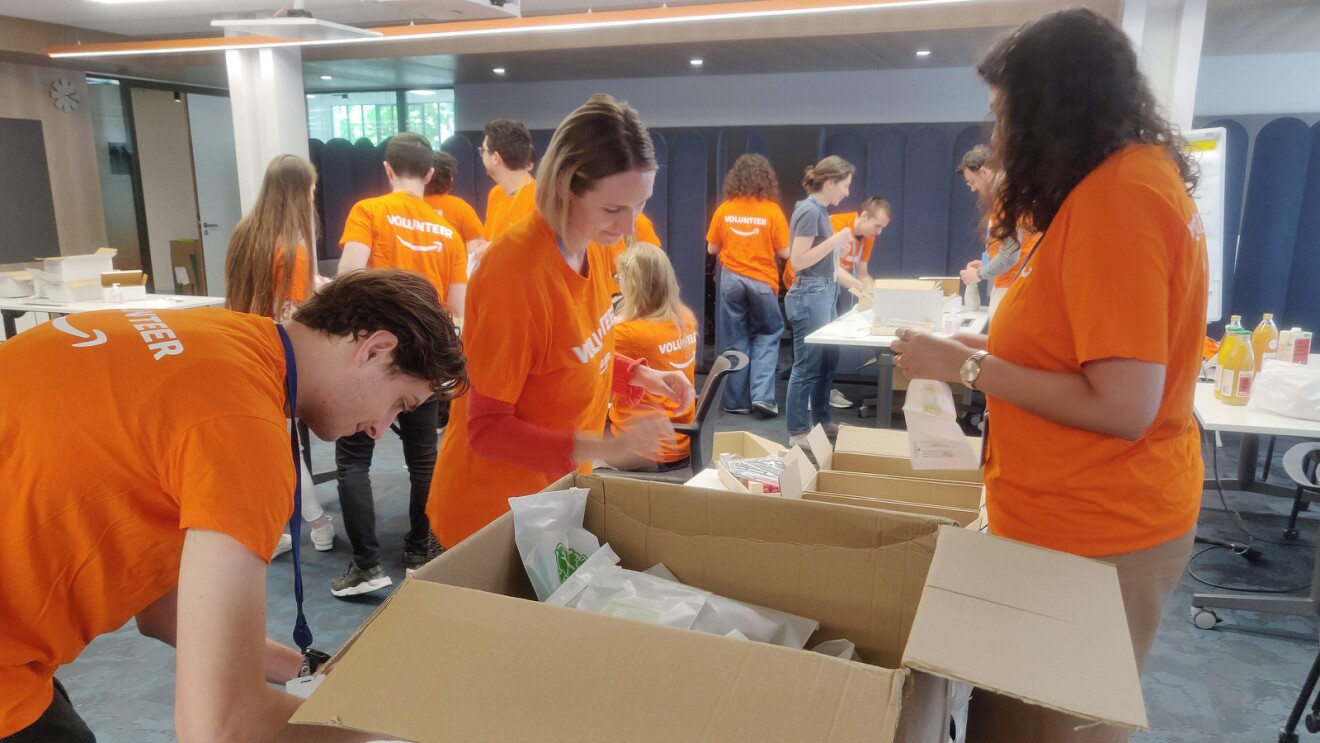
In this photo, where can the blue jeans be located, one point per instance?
(809, 306)
(748, 320)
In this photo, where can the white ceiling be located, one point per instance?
(150, 18)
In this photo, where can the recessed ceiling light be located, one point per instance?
(310, 96)
(326, 77)
(498, 70)
(421, 92)
(697, 62)
(923, 52)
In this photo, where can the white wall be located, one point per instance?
(168, 191)
(899, 96)
(1258, 84)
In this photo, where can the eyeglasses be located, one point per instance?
(483, 151)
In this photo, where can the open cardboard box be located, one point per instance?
(878, 451)
(460, 653)
(743, 445)
(78, 267)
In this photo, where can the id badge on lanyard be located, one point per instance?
(302, 633)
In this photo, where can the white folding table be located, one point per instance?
(853, 328)
(15, 308)
(1214, 415)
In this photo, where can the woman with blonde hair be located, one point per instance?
(811, 304)
(275, 234)
(539, 332)
(656, 327)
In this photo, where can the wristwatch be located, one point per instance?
(971, 368)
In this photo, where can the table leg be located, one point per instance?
(11, 329)
(1248, 458)
(884, 388)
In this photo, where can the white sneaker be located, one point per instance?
(837, 400)
(285, 545)
(323, 537)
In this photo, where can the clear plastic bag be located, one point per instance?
(722, 616)
(547, 527)
(644, 598)
(571, 590)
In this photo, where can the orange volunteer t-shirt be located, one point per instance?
(121, 430)
(403, 231)
(858, 252)
(643, 232)
(459, 214)
(302, 286)
(748, 232)
(663, 347)
(537, 335)
(503, 210)
(1073, 490)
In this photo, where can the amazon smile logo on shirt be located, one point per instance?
(433, 247)
(96, 336)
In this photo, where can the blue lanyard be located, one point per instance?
(302, 633)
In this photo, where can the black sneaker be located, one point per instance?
(764, 410)
(356, 581)
(414, 560)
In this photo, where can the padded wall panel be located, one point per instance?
(1302, 307)
(1235, 186)
(465, 180)
(966, 227)
(925, 204)
(367, 169)
(657, 208)
(723, 161)
(314, 147)
(337, 190)
(885, 168)
(540, 143)
(756, 142)
(1269, 219)
(687, 222)
(851, 146)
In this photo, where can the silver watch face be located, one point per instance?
(969, 371)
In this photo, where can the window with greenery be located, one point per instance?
(379, 115)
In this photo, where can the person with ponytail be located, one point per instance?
(810, 303)
(656, 327)
(274, 235)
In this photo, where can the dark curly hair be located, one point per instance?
(751, 177)
(358, 304)
(442, 180)
(1069, 94)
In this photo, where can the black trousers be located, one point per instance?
(353, 466)
(58, 724)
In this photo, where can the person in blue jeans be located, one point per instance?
(810, 303)
(747, 232)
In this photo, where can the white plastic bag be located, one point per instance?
(722, 616)
(547, 527)
(1287, 389)
(838, 649)
(568, 593)
(644, 598)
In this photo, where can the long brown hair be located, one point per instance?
(649, 286)
(271, 233)
(751, 177)
(1069, 95)
(832, 168)
(601, 138)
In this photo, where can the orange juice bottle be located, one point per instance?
(1234, 325)
(1265, 340)
(1238, 370)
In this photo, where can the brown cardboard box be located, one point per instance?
(188, 267)
(459, 653)
(963, 502)
(879, 451)
(743, 445)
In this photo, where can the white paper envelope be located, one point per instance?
(935, 439)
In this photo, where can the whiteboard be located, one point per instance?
(1208, 149)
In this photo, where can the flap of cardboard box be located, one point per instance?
(742, 444)
(1034, 624)
(123, 278)
(462, 664)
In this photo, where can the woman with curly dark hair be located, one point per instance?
(747, 232)
(1090, 371)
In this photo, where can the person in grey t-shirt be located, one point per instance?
(810, 304)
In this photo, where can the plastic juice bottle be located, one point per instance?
(1239, 370)
(1234, 324)
(1265, 340)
